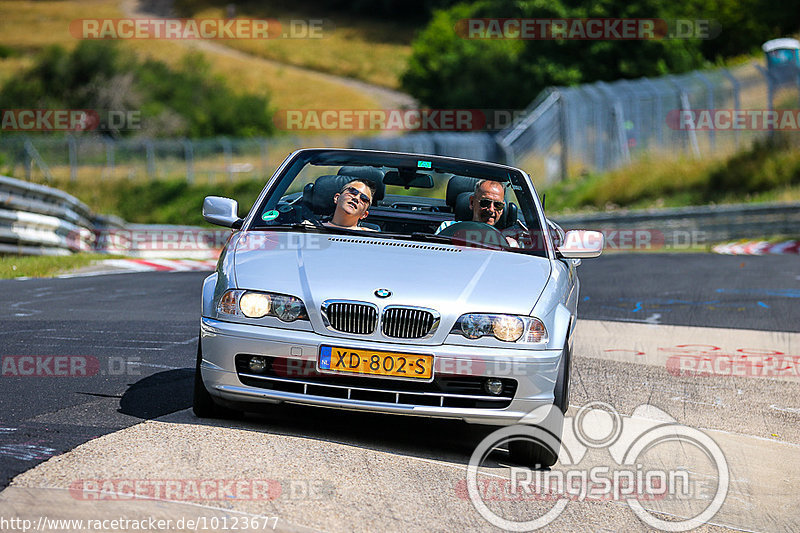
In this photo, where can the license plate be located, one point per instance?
(357, 361)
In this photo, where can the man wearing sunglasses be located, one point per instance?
(487, 203)
(352, 205)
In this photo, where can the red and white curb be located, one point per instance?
(758, 248)
(162, 265)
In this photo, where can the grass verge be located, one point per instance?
(27, 27)
(374, 51)
(767, 171)
(171, 201)
(43, 266)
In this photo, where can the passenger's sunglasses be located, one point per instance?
(352, 191)
(485, 203)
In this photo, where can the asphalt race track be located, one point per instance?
(643, 316)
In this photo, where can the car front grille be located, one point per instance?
(407, 323)
(351, 317)
(301, 377)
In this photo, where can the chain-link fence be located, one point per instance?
(52, 159)
(567, 131)
(601, 126)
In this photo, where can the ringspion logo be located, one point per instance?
(648, 453)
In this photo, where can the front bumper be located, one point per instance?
(534, 371)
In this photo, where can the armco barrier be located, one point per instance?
(40, 220)
(35, 219)
(688, 226)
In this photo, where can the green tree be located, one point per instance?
(448, 70)
(187, 101)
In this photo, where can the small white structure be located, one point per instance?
(782, 51)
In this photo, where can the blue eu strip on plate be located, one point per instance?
(325, 357)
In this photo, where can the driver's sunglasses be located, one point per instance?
(485, 203)
(352, 191)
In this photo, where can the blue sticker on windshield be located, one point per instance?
(270, 215)
(423, 164)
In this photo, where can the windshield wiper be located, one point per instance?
(433, 237)
(296, 226)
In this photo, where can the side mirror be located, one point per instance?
(581, 244)
(222, 212)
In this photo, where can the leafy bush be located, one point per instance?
(447, 71)
(174, 201)
(763, 170)
(98, 75)
(769, 164)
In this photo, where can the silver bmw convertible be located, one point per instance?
(404, 284)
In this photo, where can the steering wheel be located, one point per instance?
(464, 233)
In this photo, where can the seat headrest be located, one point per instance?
(318, 196)
(369, 173)
(457, 185)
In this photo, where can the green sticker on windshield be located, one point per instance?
(270, 215)
(423, 164)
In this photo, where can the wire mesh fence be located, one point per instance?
(602, 126)
(566, 131)
(51, 159)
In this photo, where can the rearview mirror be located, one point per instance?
(408, 179)
(222, 212)
(581, 244)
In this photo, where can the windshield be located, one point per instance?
(397, 196)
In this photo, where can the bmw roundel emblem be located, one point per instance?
(383, 293)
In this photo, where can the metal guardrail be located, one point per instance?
(689, 226)
(40, 220)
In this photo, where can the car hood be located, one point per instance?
(450, 279)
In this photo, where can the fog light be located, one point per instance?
(258, 364)
(494, 386)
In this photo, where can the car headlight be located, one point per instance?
(253, 304)
(288, 308)
(507, 328)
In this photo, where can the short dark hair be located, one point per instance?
(369, 183)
